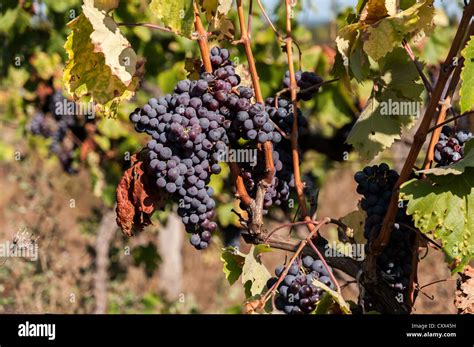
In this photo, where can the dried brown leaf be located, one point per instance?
(137, 198)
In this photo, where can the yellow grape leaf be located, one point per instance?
(382, 37)
(345, 41)
(102, 65)
(374, 11)
(215, 8)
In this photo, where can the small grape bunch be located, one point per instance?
(297, 294)
(450, 147)
(304, 80)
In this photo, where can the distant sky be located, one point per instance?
(319, 11)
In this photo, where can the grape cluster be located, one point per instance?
(297, 294)
(304, 80)
(450, 147)
(185, 132)
(376, 183)
(49, 123)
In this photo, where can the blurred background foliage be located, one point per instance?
(32, 35)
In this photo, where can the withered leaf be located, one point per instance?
(137, 197)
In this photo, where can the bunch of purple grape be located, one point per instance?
(49, 123)
(450, 147)
(297, 294)
(304, 80)
(376, 184)
(186, 131)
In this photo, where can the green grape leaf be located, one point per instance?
(457, 168)
(359, 63)
(254, 272)
(102, 65)
(345, 41)
(356, 220)
(223, 28)
(233, 262)
(374, 131)
(467, 76)
(390, 110)
(177, 15)
(386, 34)
(442, 207)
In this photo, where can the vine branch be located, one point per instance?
(294, 131)
(415, 61)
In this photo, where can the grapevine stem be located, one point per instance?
(269, 21)
(435, 136)
(242, 193)
(249, 19)
(282, 226)
(294, 130)
(415, 61)
(147, 25)
(245, 40)
(202, 39)
(452, 119)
